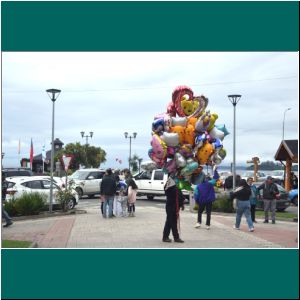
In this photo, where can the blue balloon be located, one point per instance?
(222, 128)
(158, 125)
(217, 144)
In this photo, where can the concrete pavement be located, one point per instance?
(91, 230)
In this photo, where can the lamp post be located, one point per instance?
(283, 122)
(234, 99)
(53, 94)
(86, 142)
(130, 137)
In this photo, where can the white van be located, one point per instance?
(151, 184)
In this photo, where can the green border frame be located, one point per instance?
(150, 26)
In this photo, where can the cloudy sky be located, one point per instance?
(110, 93)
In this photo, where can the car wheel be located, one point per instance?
(150, 197)
(295, 200)
(79, 192)
(72, 203)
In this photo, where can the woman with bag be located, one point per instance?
(253, 198)
(242, 193)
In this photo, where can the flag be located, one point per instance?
(43, 153)
(19, 147)
(31, 154)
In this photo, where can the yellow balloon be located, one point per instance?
(180, 131)
(204, 153)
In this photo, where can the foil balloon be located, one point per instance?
(180, 160)
(213, 118)
(223, 129)
(184, 185)
(159, 147)
(204, 153)
(192, 121)
(158, 125)
(170, 166)
(217, 134)
(170, 152)
(186, 150)
(216, 159)
(189, 135)
(203, 122)
(178, 95)
(222, 153)
(200, 140)
(179, 121)
(180, 131)
(217, 144)
(189, 106)
(170, 139)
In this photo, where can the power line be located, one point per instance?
(156, 88)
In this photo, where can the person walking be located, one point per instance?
(175, 201)
(204, 195)
(242, 193)
(108, 191)
(253, 198)
(270, 194)
(5, 215)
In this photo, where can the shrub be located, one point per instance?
(223, 204)
(30, 204)
(65, 195)
(10, 207)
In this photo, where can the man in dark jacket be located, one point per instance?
(270, 192)
(108, 190)
(5, 215)
(174, 202)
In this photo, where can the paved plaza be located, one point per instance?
(91, 230)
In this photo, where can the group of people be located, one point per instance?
(246, 195)
(112, 187)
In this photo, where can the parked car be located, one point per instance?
(13, 172)
(87, 181)
(260, 176)
(151, 183)
(281, 204)
(17, 186)
(293, 196)
(278, 176)
(224, 175)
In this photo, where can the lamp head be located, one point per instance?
(134, 135)
(53, 94)
(234, 99)
(91, 134)
(82, 133)
(126, 135)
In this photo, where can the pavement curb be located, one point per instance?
(33, 245)
(48, 215)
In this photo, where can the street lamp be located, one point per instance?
(86, 141)
(53, 95)
(283, 122)
(130, 137)
(234, 99)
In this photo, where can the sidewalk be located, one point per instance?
(90, 230)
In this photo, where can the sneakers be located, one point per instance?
(266, 221)
(8, 224)
(207, 227)
(273, 222)
(251, 229)
(179, 240)
(237, 228)
(166, 240)
(197, 225)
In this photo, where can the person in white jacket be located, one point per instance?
(132, 192)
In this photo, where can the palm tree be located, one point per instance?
(135, 163)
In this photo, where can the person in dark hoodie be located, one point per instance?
(204, 195)
(243, 193)
(174, 202)
(108, 190)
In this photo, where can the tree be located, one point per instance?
(135, 163)
(83, 155)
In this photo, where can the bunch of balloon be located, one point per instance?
(186, 137)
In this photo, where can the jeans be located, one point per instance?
(270, 205)
(207, 207)
(243, 207)
(6, 216)
(253, 206)
(109, 200)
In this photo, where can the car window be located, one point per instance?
(96, 175)
(158, 175)
(79, 174)
(47, 183)
(144, 176)
(10, 184)
(35, 184)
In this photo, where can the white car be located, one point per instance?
(87, 181)
(19, 185)
(260, 176)
(151, 184)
